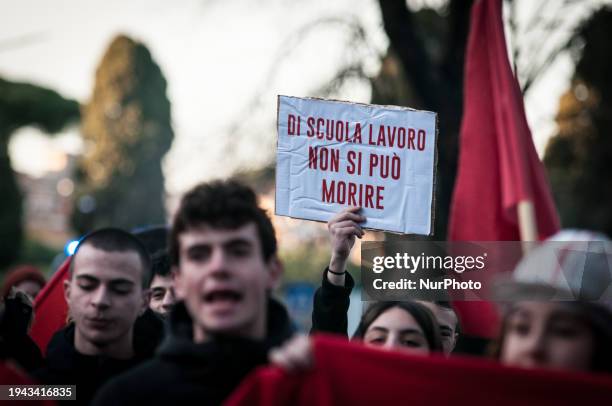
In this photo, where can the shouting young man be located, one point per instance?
(223, 253)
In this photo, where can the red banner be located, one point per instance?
(351, 374)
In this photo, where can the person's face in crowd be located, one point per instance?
(546, 335)
(447, 321)
(162, 294)
(396, 329)
(29, 287)
(105, 296)
(224, 280)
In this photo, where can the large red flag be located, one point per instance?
(50, 308)
(498, 164)
(347, 373)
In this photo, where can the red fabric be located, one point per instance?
(50, 308)
(498, 164)
(10, 374)
(351, 374)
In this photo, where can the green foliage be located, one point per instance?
(579, 157)
(38, 254)
(127, 130)
(11, 233)
(23, 104)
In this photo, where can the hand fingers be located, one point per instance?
(288, 361)
(346, 215)
(279, 358)
(300, 352)
(296, 355)
(352, 209)
(348, 230)
(346, 223)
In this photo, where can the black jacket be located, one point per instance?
(15, 343)
(66, 366)
(184, 372)
(330, 307)
(148, 332)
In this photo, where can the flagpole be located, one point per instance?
(528, 228)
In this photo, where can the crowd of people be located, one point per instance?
(184, 322)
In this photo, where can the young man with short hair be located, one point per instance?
(223, 254)
(106, 292)
(163, 296)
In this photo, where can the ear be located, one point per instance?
(275, 272)
(179, 289)
(67, 287)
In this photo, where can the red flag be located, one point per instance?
(50, 308)
(498, 164)
(347, 373)
(14, 378)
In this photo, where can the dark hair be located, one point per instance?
(596, 316)
(421, 314)
(154, 238)
(221, 205)
(446, 305)
(116, 240)
(160, 263)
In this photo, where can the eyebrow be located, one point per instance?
(229, 243)
(519, 312)
(237, 241)
(88, 278)
(446, 328)
(158, 289)
(564, 316)
(116, 281)
(121, 281)
(404, 331)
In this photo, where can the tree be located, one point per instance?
(427, 56)
(127, 130)
(423, 69)
(23, 104)
(428, 48)
(579, 157)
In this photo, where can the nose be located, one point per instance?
(391, 343)
(535, 349)
(219, 264)
(169, 299)
(101, 297)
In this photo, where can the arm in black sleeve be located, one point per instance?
(331, 304)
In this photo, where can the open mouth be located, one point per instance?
(222, 296)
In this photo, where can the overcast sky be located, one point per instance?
(215, 55)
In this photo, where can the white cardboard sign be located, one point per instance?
(333, 154)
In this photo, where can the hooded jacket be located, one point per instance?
(330, 307)
(15, 343)
(184, 372)
(64, 365)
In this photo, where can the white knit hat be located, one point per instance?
(570, 265)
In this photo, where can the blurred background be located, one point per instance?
(110, 110)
